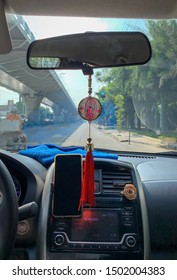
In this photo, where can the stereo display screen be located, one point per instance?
(96, 226)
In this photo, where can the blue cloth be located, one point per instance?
(46, 153)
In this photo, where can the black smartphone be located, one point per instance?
(67, 185)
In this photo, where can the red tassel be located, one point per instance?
(87, 195)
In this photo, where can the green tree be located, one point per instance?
(20, 107)
(149, 91)
(118, 81)
(154, 85)
(165, 49)
(119, 102)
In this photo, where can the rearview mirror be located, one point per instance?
(89, 50)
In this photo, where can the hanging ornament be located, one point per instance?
(89, 109)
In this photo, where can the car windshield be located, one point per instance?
(139, 103)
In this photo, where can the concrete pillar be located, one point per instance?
(57, 110)
(31, 103)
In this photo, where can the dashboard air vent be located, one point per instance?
(113, 182)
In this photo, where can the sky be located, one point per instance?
(6, 95)
(74, 81)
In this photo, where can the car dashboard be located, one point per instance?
(116, 227)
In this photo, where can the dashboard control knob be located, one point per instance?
(59, 239)
(130, 241)
(23, 227)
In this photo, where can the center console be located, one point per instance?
(99, 229)
(111, 230)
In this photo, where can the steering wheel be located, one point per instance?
(8, 212)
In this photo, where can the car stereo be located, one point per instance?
(99, 229)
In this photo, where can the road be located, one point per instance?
(76, 134)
